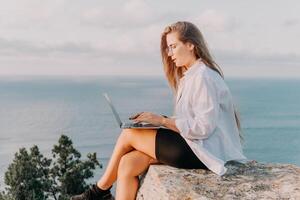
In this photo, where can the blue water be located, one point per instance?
(37, 110)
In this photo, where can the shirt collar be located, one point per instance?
(198, 63)
(193, 68)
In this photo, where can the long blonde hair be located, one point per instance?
(188, 32)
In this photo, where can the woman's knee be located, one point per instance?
(140, 139)
(127, 134)
(125, 137)
(131, 163)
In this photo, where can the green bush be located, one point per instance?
(31, 176)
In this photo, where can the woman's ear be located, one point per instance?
(190, 46)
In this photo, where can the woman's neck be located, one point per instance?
(191, 63)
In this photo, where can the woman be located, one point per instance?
(204, 132)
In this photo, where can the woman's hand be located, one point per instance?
(148, 117)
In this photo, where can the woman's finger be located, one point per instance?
(135, 116)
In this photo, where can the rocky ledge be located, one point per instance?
(242, 181)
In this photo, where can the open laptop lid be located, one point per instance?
(113, 109)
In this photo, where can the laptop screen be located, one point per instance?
(113, 109)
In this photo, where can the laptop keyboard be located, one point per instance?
(137, 125)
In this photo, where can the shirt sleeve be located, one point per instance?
(205, 108)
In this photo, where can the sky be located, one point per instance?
(94, 37)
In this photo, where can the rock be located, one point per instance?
(242, 181)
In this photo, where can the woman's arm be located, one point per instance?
(169, 123)
(204, 103)
(155, 119)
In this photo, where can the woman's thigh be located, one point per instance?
(172, 149)
(141, 139)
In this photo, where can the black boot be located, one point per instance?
(94, 193)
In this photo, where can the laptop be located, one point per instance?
(133, 125)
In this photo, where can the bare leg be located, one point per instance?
(130, 139)
(131, 165)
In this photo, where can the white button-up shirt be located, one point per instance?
(204, 115)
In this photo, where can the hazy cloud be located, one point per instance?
(22, 47)
(252, 58)
(291, 22)
(130, 14)
(215, 21)
(80, 37)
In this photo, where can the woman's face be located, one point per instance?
(181, 54)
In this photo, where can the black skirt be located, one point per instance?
(171, 149)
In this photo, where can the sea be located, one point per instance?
(37, 110)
